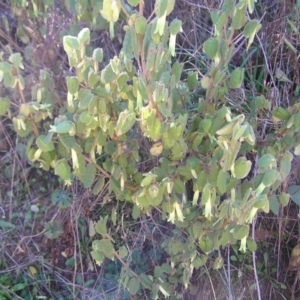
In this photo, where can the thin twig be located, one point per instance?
(228, 272)
(254, 263)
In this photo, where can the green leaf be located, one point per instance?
(266, 160)
(123, 252)
(84, 36)
(251, 244)
(140, 25)
(236, 78)
(85, 97)
(4, 224)
(218, 263)
(145, 281)
(61, 198)
(199, 261)
(228, 6)
(101, 226)
(108, 75)
(175, 26)
(192, 80)
(136, 212)
(70, 43)
(166, 268)
(206, 245)
(155, 130)
(160, 7)
(205, 82)
(147, 180)
(98, 257)
(5, 67)
(284, 199)
(133, 2)
(4, 105)
(67, 140)
(62, 169)
(133, 285)
(53, 230)
(294, 192)
(107, 248)
(99, 185)
(242, 167)
(240, 231)
(85, 117)
(89, 175)
(222, 180)
(210, 47)
(270, 177)
(129, 42)
(170, 7)
(18, 287)
(214, 15)
(206, 194)
(73, 85)
(63, 127)
(285, 165)
(274, 204)
(16, 60)
(251, 28)
(98, 55)
(193, 162)
(206, 124)
(44, 144)
(281, 113)
(251, 5)
(125, 122)
(239, 18)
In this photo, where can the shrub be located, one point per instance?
(95, 132)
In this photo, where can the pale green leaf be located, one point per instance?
(133, 2)
(62, 169)
(240, 231)
(4, 105)
(73, 85)
(133, 286)
(210, 47)
(84, 36)
(101, 226)
(89, 175)
(98, 55)
(175, 27)
(140, 25)
(236, 78)
(70, 43)
(250, 28)
(44, 144)
(242, 166)
(123, 252)
(99, 185)
(125, 122)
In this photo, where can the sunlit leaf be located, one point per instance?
(70, 43)
(84, 36)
